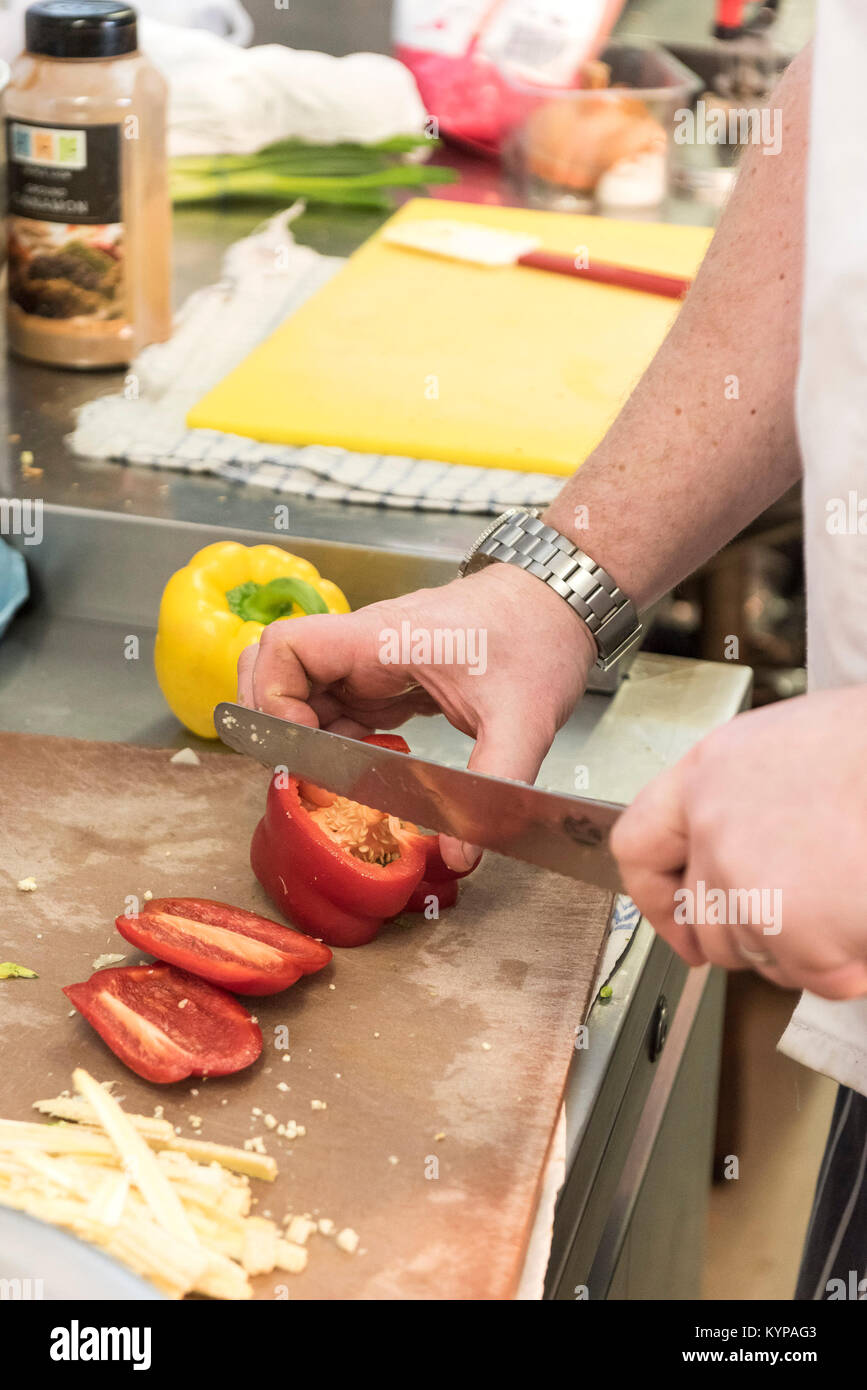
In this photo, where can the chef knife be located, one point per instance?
(568, 834)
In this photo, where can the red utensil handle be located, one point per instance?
(672, 286)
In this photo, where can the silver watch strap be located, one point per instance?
(520, 538)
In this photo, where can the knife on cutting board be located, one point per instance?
(567, 834)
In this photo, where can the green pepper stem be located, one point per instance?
(265, 603)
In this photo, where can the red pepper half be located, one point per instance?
(226, 945)
(334, 868)
(166, 1024)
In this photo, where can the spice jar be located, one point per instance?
(89, 220)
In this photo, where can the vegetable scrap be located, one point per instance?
(186, 757)
(108, 958)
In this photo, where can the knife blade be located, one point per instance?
(564, 833)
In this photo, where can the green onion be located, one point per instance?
(289, 169)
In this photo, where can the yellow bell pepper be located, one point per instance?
(215, 607)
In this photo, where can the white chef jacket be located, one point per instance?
(832, 426)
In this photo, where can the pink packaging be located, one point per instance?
(471, 58)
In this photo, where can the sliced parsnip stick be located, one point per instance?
(108, 1202)
(207, 1178)
(221, 1206)
(58, 1139)
(137, 1159)
(80, 1110)
(141, 1244)
(259, 1254)
(56, 1172)
(252, 1165)
(81, 1139)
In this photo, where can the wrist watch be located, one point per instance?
(519, 537)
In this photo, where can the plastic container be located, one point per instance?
(89, 219)
(606, 146)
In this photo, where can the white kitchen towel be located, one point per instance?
(265, 278)
(226, 99)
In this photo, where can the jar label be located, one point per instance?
(64, 226)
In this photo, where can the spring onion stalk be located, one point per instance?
(360, 175)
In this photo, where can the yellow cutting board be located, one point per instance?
(405, 353)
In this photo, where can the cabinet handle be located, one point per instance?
(658, 1028)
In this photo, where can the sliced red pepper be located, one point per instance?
(226, 945)
(166, 1024)
(322, 884)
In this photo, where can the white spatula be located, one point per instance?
(494, 247)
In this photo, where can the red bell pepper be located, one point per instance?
(166, 1024)
(226, 945)
(334, 868)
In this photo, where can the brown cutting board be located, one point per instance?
(461, 1027)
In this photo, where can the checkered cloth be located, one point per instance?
(266, 277)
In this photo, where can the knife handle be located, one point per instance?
(672, 286)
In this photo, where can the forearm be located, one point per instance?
(707, 439)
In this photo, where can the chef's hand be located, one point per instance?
(775, 800)
(528, 659)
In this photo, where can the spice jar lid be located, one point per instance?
(80, 28)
